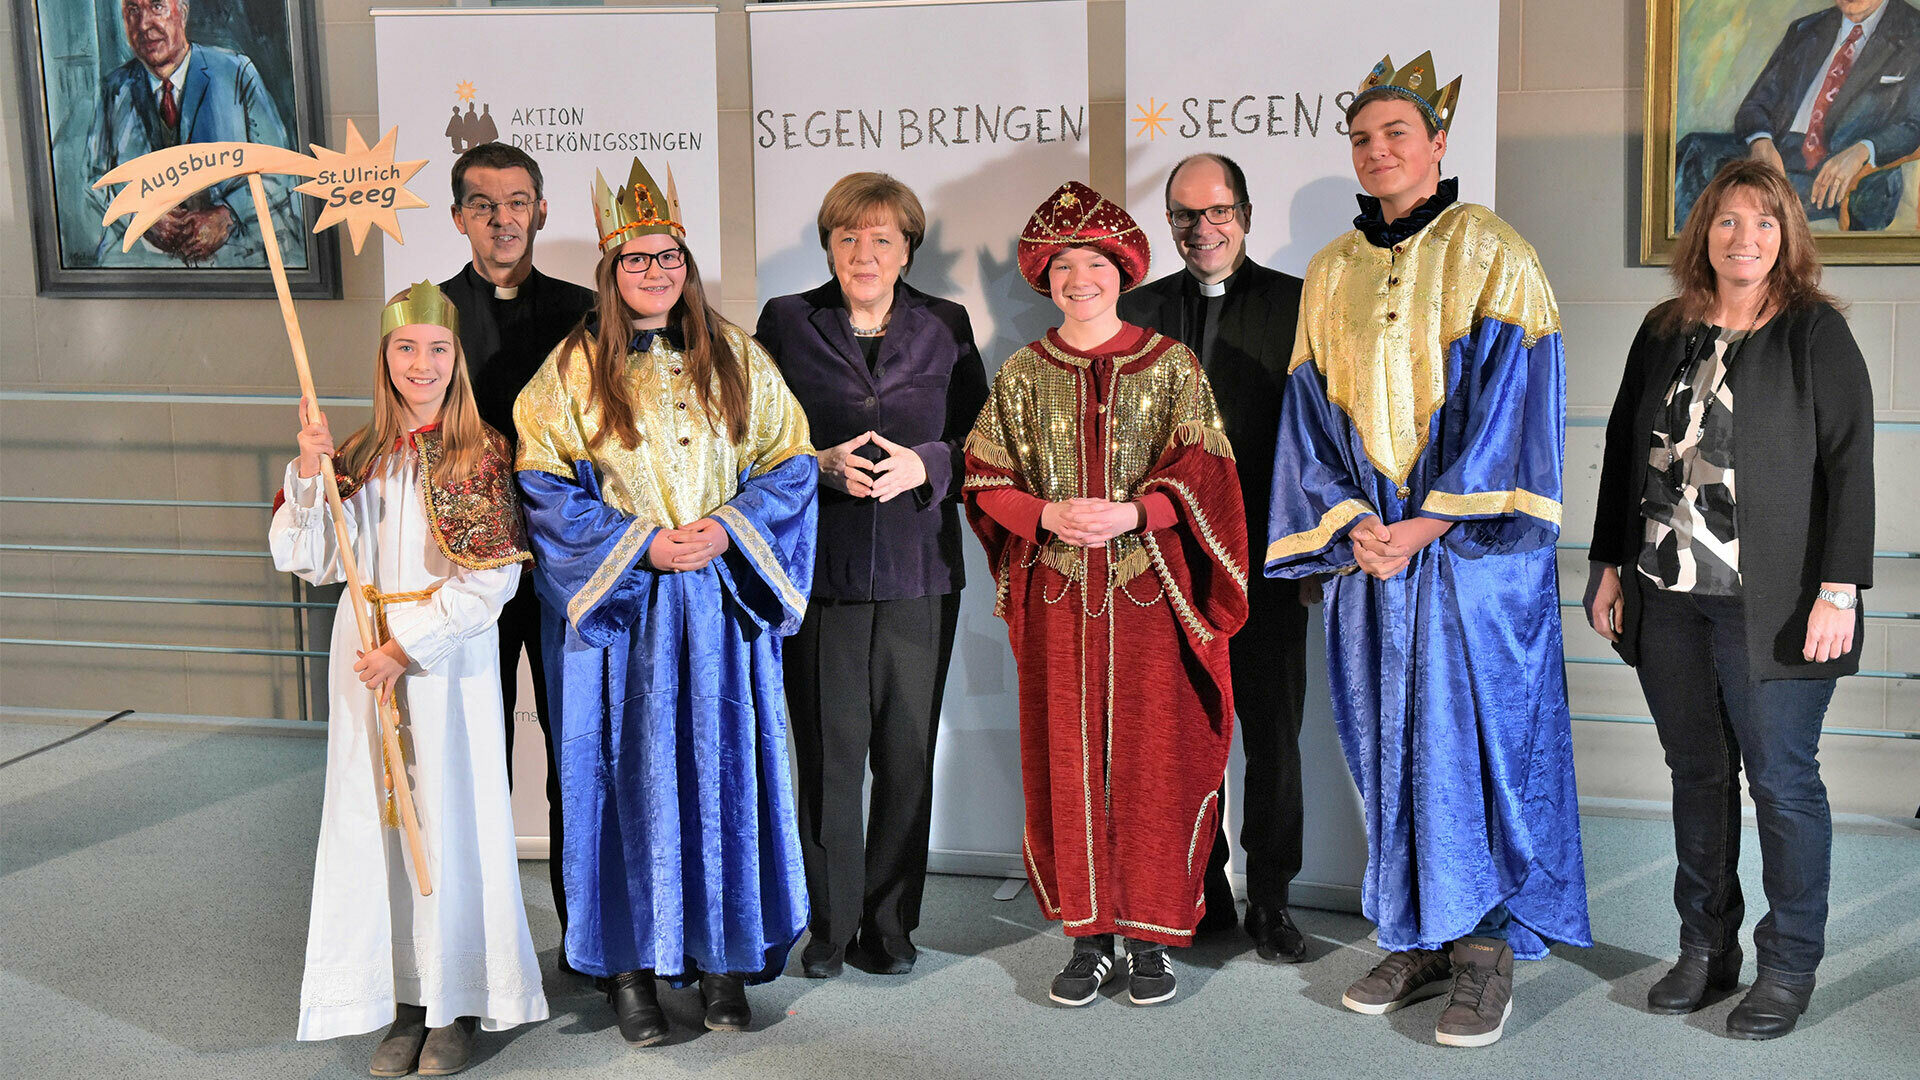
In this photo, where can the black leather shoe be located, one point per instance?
(636, 1009)
(1685, 988)
(1769, 1010)
(1274, 935)
(883, 954)
(726, 998)
(822, 959)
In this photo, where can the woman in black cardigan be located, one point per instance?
(1738, 602)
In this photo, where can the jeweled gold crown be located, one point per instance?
(638, 209)
(423, 304)
(1417, 83)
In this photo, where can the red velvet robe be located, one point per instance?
(1126, 707)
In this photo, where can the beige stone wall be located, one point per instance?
(1570, 107)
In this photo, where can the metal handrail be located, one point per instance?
(202, 601)
(1614, 661)
(223, 650)
(1867, 614)
(1871, 733)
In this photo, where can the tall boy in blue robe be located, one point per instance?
(1418, 460)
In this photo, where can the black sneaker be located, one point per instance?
(1149, 973)
(1086, 972)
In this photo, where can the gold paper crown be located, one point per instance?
(1417, 83)
(639, 209)
(423, 303)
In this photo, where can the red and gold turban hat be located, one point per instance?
(1073, 216)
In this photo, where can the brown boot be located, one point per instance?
(401, 1047)
(1482, 996)
(448, 1049)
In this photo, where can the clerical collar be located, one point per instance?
(1218, 288)
(505, 292)
(1382, 233)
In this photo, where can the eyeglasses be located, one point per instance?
(636, 262)
(484, 208)
(1219, 215)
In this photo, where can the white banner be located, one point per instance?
(1268, 86)
(981, 108)
(586, 98)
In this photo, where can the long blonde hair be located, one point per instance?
(463, 435)
(719, 377)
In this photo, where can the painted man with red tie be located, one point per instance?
(1839, 98)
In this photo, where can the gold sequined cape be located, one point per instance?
(683, 466)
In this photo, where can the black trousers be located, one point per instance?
(864, 683)
(520, 628)
(1269, 657)
(1713, 716)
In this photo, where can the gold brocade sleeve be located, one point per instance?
(777, 429)
(551, 439)
(1196, 416)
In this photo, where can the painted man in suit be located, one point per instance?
(174, 92)
(1839, 97)
(1238, 317)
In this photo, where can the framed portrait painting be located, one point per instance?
(1826, 90)
(106, 81)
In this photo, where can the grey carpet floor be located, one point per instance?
(153, 902)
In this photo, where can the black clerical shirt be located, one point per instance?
(507, 338)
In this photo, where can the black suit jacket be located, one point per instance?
(927, 392)
(1880, 99)
(1803, 460)
(1247, 367)
(506, 341)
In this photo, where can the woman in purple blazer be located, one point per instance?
(891, 382)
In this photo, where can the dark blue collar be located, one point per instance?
(642, 340)
(1381, 233)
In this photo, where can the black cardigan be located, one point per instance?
(1803, 458)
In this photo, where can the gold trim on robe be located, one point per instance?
(1378, 322)
(1489, 503)
(1316, 538)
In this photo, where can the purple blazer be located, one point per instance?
(926, 392)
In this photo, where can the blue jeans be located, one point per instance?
(1713, 716)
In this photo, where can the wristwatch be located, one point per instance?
(1842, 600)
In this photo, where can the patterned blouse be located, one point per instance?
(1692, 542)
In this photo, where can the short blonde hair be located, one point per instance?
(862, 199)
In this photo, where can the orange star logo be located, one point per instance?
(363, 187)
(1151, 118)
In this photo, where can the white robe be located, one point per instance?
(372, 939)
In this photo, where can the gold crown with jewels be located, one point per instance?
(423, 304)
(640, 208)
(1417, 83)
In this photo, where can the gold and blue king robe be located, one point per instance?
(669, 714)
(1428, 379)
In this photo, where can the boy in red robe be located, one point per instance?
(1102, 485)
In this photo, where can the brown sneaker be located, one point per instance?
(1482, 995)
(1398, 981)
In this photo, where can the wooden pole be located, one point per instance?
(389, 709)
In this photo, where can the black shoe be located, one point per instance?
(1274, 935)
(822, 959)
(636, 1009)
(883, 954)
(1149, 973)
(1769, 1010)
(1685, 988)
(1086, 972)
(726, 998)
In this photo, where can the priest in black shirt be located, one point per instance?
(1238, 317)
(511, 317)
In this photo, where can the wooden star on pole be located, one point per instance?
(363, 186)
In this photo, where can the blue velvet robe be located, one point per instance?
(1428, 378)
(681, 852)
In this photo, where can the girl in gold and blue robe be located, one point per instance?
(670, 493)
